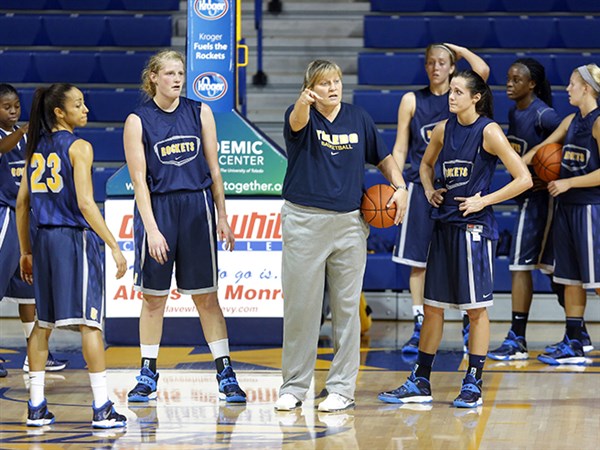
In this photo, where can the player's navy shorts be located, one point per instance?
(67, 277)
(12, 287)
(577, 245)
(414, 234)
(186, 220)
(531, 246)
(459, 268)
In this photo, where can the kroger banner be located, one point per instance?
(249, 277)
(211, 53)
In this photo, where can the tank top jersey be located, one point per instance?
(466, 170)
(11, 170)
(430, 109)
(51, 182)
(527, 128)
(173, 147)
(326, 160)
(580, 157)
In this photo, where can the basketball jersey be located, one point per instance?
(51, 182)
(173, 147)
(580, 157)
(326, 160)
(527, 128)
(430, 109)
(466, 170)
(11, 170)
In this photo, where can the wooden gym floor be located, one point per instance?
(527, 405)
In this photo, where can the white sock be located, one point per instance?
(36, 387)
(99, 388)
(149, 351)
(27, 328)
(219, 348)
(418, 310)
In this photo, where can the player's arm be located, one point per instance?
(301, 113)
(136, 163)
(22, 214)
(81, 155)
(11, 141)
(495, 143)
(476, 62)
(591, 179)
(557, 136)
(210, 147)
(406, 111)
(427, 168)
(392, 172)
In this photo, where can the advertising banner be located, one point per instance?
(249, 277)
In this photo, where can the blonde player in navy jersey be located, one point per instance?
(13, 140)
(531, 120)
(577, 216)
(460, 262)
(324, 236)
(175, 194)
(418, 113)
(64, 264)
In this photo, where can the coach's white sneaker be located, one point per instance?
(287, 402)
(335, 402)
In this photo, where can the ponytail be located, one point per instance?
(42, 118)
(476, 85)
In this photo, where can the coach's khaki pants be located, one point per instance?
(316, 244)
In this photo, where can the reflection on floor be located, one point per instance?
(524, 402)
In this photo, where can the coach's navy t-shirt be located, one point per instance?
(326, 160)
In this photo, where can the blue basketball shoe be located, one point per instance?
(145, 389)
(513, 348)
(586, 343)
(38, 416)
(470, 393)
(414, 390)
(106, 417)
(569, 351)
(229, 389)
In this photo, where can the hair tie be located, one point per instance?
(588, 78)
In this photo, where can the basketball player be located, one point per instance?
(13, 140)
(577, 216)
(324, 236)
(67, 264)
(418, 113)
(531, 120)
(459, 267)
(176, 194)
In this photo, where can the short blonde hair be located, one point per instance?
(317, 70)
(155, 63)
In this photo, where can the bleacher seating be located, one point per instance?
(86, 30)
(72, 66)
(91, 5)
(470, 6)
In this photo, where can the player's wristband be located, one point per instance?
(402, 186)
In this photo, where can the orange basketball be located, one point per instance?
(546, 162)
(373, 206)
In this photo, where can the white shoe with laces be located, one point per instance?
(335, 402)
(287, 402)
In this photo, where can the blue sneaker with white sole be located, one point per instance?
(567, 352)
(145, 389)
(470, 393)
(229, 389)
(513, 348)
(414, 390)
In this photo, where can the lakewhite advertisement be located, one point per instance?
(249, 277)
